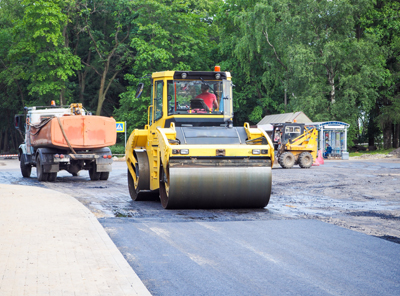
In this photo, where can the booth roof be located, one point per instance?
(329, 125)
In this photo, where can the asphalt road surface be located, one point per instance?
(286, 248)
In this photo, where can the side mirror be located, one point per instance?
(139, 90)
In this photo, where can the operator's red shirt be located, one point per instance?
(208, 98)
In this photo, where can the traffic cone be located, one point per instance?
(316, 162)
(320, 158)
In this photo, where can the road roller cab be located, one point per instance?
(190, 154)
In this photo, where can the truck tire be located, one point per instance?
(52, 177)
(41, 176)
(305, 160)
(104, 175)
(286, 160)
(26, 169)
(93, 174)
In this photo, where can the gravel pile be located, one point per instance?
(370, 156)
(395, 153)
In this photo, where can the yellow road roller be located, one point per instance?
(189, 154)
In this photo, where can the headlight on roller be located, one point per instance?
(184, 151)
(256, 151)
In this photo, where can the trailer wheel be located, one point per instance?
(26, 169)
(52, 177)
(305, 160)
(41, 176)
(104, 175)
(93, 174)
(286, 160)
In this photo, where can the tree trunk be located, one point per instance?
(373, 128)
(62, 95)
(15, 141)
(371, 136)
(102, 94)
(1, 140)
(387, 136)
(6, 141)
(396, 128)
(82, 79)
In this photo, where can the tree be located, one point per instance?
(109, 27)
(13, 91)
(39, 51)
(383, 21)
(170, 35)
(311, 49)
(255, 60)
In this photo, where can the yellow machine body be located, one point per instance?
(295, 144)
(193, 157)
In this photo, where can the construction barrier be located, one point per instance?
(5, 156)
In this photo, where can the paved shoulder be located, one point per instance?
(50, 244)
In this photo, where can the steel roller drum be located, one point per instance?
(219, 187)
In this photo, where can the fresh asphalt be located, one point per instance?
(285, 257)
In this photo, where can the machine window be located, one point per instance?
(292, 132)
(158, 100)
(184, 96)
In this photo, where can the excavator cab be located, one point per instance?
(285, 132)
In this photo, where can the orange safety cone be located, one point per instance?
(320, 158)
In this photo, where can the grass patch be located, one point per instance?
(118, 149)
(379, 151)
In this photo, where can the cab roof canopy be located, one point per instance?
(298, 117)
(193, 75)
(267, 121)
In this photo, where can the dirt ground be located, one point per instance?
(362, 194)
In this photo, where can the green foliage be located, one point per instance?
(39, 50)
(170, 35)
(107, 28)
(118, 149)
(311, 49)
(334, 60)
(383, 22)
